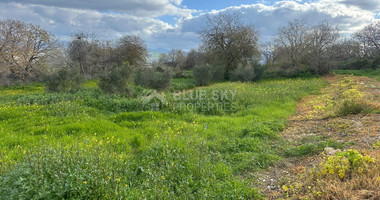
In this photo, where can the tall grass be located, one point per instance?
(85, 145)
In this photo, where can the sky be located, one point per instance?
(175, 24)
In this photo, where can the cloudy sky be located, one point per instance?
(167, 24)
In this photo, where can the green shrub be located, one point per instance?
(66, 79)
(345, 164)
(152, 78)
(217, 72)
(350, 107)
(115, 80)
(202, 75)
(259, 70)
(360, 64)
(243, 73)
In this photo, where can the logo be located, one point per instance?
(153, 99)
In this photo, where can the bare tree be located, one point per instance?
(309, 48)
(81, 49)
(229, 41)
(270, 53)
(175, 58)
(345, 50)
(294, 38)
(369, 38)
(194, 58)
(24, 48)
(322, 39)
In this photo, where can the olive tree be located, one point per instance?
(131, 49)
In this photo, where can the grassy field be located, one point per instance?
(89, 145)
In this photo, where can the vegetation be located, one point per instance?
(243, 73)
(202, 75)
(336, 176)
(115, 80)
(110, 138)
(88, 141)
(153, 78)
(24, 49)
(229, 42)
(366, 72)
(64, 80)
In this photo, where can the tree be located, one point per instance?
(202, 74)
(346, 50)
(229, 41)
(80, 50)
(131, 49)
(115, 79)
(322, 39)
(369, 38)
(193, 59)
(294, 39)
(175, 58)
(23, 49)
(307, 48)
(92, 54)
(270, 53)
(153, 78)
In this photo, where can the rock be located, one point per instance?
(331, 151)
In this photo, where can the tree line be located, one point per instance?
(229, 50)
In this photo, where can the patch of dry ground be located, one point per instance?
(315, 117)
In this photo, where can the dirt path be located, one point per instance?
(318, 119)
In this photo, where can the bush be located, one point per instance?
(202, 75)
(259, 70)
(243, 73)
(115, 80)
(217, 72)
(66, 79)
(152, 78)
(359, 64)
(346, 163)
(350, 107)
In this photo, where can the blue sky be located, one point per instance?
(217, 4)
(174, 24)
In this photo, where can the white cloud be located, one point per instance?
(363, 4)
(268, 18)
(64, 21)
(112, 19)
(146, 8)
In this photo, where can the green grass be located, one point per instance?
(366, 72)
(89, 145)
(182, 84)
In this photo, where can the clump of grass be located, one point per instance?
(312, 148)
